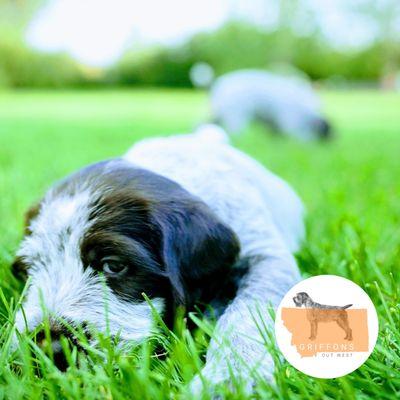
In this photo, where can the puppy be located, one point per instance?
(288, 105)
(322, 313)
(189, 221)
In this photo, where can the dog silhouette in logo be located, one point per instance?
(322, 313)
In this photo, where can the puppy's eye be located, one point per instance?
(113, 268)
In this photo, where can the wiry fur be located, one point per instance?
(177, 209)
(59, 284)
(264, 212)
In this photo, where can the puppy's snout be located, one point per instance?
(51, 343)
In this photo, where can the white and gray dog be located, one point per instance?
(285, 104)
(188, 220)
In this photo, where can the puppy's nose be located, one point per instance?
(53, 341)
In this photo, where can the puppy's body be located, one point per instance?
(263, 211)
(173, 213)
(237, 188)
(323, 313)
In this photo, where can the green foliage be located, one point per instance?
(238, 45)
(350, 187)
(235, 45)
(15, 15)
(153, 67)
(21, 66)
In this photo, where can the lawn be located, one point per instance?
(350, 186)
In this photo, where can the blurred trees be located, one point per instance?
(385, 14)
(296, 40)
(21, 66)
(156, 66)
(241, 45)
(15, 15)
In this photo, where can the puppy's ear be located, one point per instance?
(197, 249)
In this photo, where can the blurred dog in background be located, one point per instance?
(287, 105)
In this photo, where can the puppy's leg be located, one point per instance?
(267, 281)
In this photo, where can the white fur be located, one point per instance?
(264, 212)
(59, 285)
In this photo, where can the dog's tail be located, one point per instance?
(348, 306)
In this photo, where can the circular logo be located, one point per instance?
(326, 326)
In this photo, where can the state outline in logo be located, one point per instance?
(326, 326)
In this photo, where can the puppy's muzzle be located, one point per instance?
(51, 343)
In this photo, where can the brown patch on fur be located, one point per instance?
(31, 214)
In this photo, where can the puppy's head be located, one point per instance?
(111, 232)
(301, 299)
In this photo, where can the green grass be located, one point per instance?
(351, 188)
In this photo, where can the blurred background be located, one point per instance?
(81, 80)
(73, 43)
